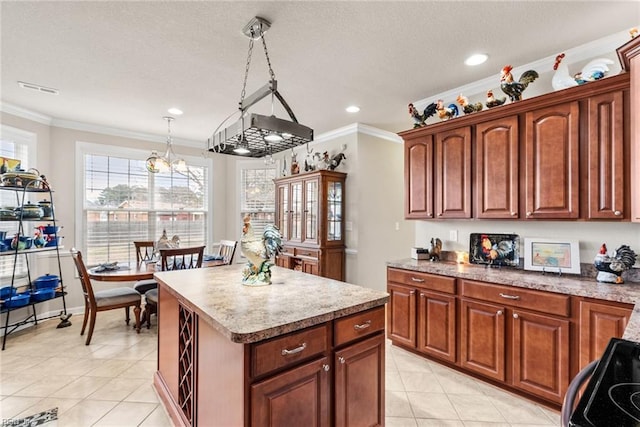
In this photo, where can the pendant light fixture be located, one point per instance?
(255, 135)
(169, 161)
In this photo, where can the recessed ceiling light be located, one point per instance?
(476, 59)
(352, 109)
(175, 111)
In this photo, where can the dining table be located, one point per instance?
(133, 272)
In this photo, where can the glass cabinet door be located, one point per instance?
(311, 211)
(283, 210)
(334, 211)
(296, 211)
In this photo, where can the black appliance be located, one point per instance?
(612, 396)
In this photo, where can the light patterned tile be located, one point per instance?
(421, 381)
(15, 382)
(116, 389)
(411, 363)
(110, 368)
(47, 403)
(553, 415)
(86, 413)
(425, 422)
(157, 418)
(46, 386)
(11, 406)
(519, 411)
(397, 404)
(127, 413)
(141, 369)
(145, 393)
(82, 387)
(485, 424)
(432, 405)
(399, 422)
(457, 383)
(479, 408)
(392, 381)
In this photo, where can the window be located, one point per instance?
(257, 196)
(122, 202)
(20, 145)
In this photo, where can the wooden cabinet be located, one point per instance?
(310, 212)
(551, 162)
(422, 312)
(629, 55)
(496, 169)
(418, 178)
(452, 167)
(606, 171)
(599, 322)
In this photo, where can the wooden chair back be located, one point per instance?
(181, 258)
(144, 250)
(227, 250)
(87, 289)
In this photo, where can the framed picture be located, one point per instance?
(556, 256)
(494, 249)
(9, 165)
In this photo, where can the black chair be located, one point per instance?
(144, 252)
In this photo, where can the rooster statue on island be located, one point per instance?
(259, 250)
(609, 268)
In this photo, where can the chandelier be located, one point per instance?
(256, 135)
(169, 161)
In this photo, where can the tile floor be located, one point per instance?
(108, 383)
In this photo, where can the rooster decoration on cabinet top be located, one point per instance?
(466, 106)
(609, 268)
(594, 70)
(419, 119)
(259, 250)
(446, 113)
(492, 101)
(512, 88)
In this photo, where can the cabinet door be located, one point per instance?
(496, 162)
(482, 334)
(296, 397)
(311, 194)
(551, 162)
(335, 212)
(402, 314)
(437, 325)
(297, 208)
(453, 173)
(605, 160)
(598, 324)
(359, 384)
(311, 267)
(283, 210)
(540, 352)
(418, 178)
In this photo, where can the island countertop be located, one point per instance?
(246, 314)
(566, 284)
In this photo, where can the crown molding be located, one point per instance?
(356, 128)
(604, 45)
(15, 110)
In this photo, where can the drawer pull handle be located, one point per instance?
(341, 360)
(287, 352)
(415, 279)
(362, 326)
(507, 296)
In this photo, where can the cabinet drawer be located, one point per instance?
(311, 253)
(423, 280)
(358, 325)
(545, 302)
(287, 350)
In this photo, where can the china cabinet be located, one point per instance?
(16, 252)
(310, 211)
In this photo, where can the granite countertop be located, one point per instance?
(628, 292)
(247, 314)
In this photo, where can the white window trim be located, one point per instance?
(83, 148)
(30, 139)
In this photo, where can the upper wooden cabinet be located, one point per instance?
(563, 155)
(629, 55)
(496, 169)
(551, 162)
(310, 210)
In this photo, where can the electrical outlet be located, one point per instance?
(453, 235)
(397, 226)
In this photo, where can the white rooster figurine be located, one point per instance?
(259, 250)
(594, 70)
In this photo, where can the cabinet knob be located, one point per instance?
(412, 292)
(529, 213)
(325, 367)
(515, 315)
(499, 312)
(428, 213)
(440, 214)
(421, 295)
(514, 213)
(617, 213)
(341, 359)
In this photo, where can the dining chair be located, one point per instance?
(144, 250)
(227, 250)
(109, 299)
(171, 259)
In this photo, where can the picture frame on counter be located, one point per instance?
(551, 255)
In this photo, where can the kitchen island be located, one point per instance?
(304, 351)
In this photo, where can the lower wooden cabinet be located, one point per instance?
(437, 325)
(599, 322)
(401, 326)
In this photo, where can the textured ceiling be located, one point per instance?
(122, 64)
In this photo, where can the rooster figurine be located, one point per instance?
(514, 89)
(594, 70)
(446, 113)
(419, 119)
(466, 107)
(259, 251)
(610, 269)
(492, 101)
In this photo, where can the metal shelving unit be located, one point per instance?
(30, 187)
